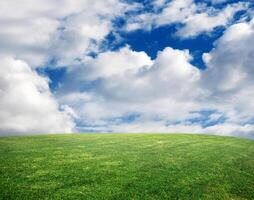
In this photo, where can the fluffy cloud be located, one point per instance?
(26, 104)
(160, 127)
(38, 31)
(132, 93)
(110, 63)
(123, 90)
(133, 84)
(34, 34)
(194, 18)
(207, 21)
(233, 54)
(172, 12)
(230, 72)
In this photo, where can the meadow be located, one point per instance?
(126, 166)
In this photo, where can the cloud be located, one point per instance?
(38, 32)
(26, 103)
(160, 127)
(230, 72)
(168, 94)
(172, 12)
(133, 83)
(195, 18)
(206, 22)
(228, 129)
(233, 54)
(110, 63)
(124, 90)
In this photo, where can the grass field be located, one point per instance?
(126, 166)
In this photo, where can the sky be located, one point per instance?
(161, 66)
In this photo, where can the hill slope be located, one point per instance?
(126, 166)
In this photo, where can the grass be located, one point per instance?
(126, 166)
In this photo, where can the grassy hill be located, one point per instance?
(126, 166)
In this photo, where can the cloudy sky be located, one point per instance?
(127, 66)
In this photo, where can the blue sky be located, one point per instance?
(127, 66)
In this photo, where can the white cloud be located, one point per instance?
(33, 32)
(172, 12)
(133, 84)
(124, 90)
(196, 18)
(207, 21)
(36, 31)
(229, 129)
(230, 72)
(230, 62)
(226, 129)
(164, 92)
(110, 63)
(26, 103)
(137, 73)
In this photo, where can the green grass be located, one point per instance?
(126, 166)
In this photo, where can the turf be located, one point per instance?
(126, 166)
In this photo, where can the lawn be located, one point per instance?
(126, 166)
